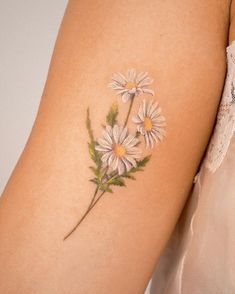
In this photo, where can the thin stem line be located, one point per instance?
(97, 188)
(93, 201)
(88, 210)
(93, 198)
(97, 199)
(129, 110)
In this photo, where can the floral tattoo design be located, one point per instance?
(116, 154)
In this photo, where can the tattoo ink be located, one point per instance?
(117, 155)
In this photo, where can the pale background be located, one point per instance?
(28, 30)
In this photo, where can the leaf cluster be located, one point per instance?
(119, 180)
(94, 154)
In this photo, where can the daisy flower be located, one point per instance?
(119, 149)
(133, 84)
(150, 122)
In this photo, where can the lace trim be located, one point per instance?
(225, 124)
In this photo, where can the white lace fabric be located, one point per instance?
(225, 125)
(200, 256)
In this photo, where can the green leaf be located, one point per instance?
(144, 161)
(95, 170)
(92, 150)
(102, 173)
(118, 181)
(111, 117)
(105, 188)
(127, 175)
(88, 125)
(95, 155)
(140, 164)
(95, 180)
(139, 167)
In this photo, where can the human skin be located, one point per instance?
(182, 46)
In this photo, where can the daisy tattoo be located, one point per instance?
(117, 155)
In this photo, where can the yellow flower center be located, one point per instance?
(119, 150)
(148, 124)
(131, 85)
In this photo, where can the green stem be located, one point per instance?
(113, 177)
(129, 110)
(98, 186)
(93, 198)
(93, 201)
(85, 214)
(91, 205)
(88, 209)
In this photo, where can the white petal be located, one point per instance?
(109, 130)
(115, 163)
(101, 148)
(111, 159)
(123, 135)
(148, 108)
(121, 167)
(141, 76)
(123, 78)
(107, 137)
(119, 78)
(106, 156)
(116, 134)
(136, 119)
(119, 89)
(157, 110)
(158, 124)
(126, 97)
(121, 92)
(145, 108)
(159, 130)
(132, 143)
(133, 151)
(115, 85)
(147, 140)
(127, 164)
(148, 91)
(154, 137)
(103, 143)
(139, 91)
(161, 118)
(160, 134)
(141, 129)
(155, 113)
(128, 139)
(151, 140)
(131, 75)
(131, 160)
(153, 106)
(160, 137)
(145, 82)
(141, 112)
(137, 156)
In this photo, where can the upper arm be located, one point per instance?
(182, 46)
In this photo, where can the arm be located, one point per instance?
(117, 245)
